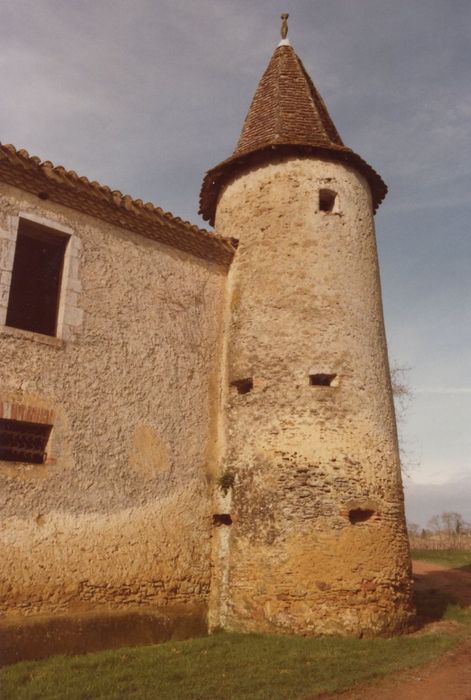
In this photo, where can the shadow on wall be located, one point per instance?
(39, 638)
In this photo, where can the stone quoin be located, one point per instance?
(197, 428)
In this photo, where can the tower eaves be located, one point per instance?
(287, 116)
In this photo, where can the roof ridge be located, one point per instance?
(318, 102)
(278, 94)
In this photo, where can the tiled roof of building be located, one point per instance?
(65, 187)
(287, 116)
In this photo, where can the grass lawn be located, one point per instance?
(234, 666)
(448, 557)
(220, 667)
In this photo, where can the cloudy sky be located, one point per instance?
(145, 95)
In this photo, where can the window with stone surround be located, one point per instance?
(39, 284)
(33, 303)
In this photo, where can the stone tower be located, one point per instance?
(311, 536)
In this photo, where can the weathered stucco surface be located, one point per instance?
(304, 298)
(119, 516)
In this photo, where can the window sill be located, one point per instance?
(24, 470)
(32, 336)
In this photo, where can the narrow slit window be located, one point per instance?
(243, 386)
(322, 379)
(327, 200)
(33, 303)
(21, 441)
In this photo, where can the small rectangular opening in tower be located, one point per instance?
(33, 302)
(327, 200)
(322, 379)
(243, 386)
(21, 441)
(360, 515)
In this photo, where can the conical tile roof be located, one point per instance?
(286, 108)
(287, 116)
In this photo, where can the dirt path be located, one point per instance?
(449, 678)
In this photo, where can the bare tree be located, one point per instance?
(401, 389)
(402, 394)
(445, 531)
(435, 524)
(413, 529)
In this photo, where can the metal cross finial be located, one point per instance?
(284, 25)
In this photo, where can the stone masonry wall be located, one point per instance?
(119, 515)
(317, 541)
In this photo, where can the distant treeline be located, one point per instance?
(445, 531)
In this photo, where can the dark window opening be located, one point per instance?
(33, 303)
(360, 515)
(321, 379)
(327, 200)
(243, 386)
(222, 519)
(23, 442)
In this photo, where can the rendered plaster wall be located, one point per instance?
(119, 515)
(304, 297)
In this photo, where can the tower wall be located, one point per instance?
(317, 541)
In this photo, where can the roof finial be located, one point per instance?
(284, 30)
(284, 25)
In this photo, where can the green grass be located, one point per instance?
(235, 666)
(454, 558)
(221, 667)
